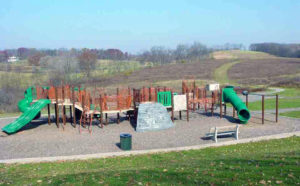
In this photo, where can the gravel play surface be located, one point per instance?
(38, 139)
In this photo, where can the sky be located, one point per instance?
(137, 25)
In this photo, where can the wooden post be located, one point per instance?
(82, 112)
(172, 100)
(70, 111)
(118, 118)
(263, 109)
(91, 121)
(220, 97)
(212, 103)
(144, 95)
(63, 106)
(150, 98)
(106, 122)
(156, 94)
(276, 108)
(56, 108)
(48, 106)
(205, 102)
(233, 110)
(194, 100)
(73, 100)
(101, 113)
(118, 99)
(64, 114)
(49, 122)
(187, 105)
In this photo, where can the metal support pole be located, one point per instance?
(247, 100)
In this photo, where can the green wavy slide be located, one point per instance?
(30, 112)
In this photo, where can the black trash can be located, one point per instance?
(125, 141)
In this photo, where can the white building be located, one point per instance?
(12, 59)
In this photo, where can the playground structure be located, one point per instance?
(88, 105)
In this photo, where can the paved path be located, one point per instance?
(273, 111)
(38, 139)
(257, 95)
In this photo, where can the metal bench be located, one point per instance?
(216, 132)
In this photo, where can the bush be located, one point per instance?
(9, 98)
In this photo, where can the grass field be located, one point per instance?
(267, 162)
(292, 114)
(271, 104)
(291, 100)
(290, 92)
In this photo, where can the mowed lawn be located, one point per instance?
(271, 104)
(267, 162)
(290, 99)
(293, 114)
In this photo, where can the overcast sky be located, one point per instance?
(136, 25)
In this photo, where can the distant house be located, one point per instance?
(12, 59)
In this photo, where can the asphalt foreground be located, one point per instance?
(39, 139)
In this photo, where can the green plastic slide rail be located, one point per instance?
(230, 96)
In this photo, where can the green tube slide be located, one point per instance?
(230, 96)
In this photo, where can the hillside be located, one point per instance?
(227, 67)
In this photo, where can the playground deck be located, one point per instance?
(38, 139)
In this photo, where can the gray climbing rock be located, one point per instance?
(152, 117)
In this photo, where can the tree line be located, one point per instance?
(282, 50)
(28, 53)
(156, 54)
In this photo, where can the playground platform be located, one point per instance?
(38, 139)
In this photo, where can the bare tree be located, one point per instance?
(35, 59)
(87, 61)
